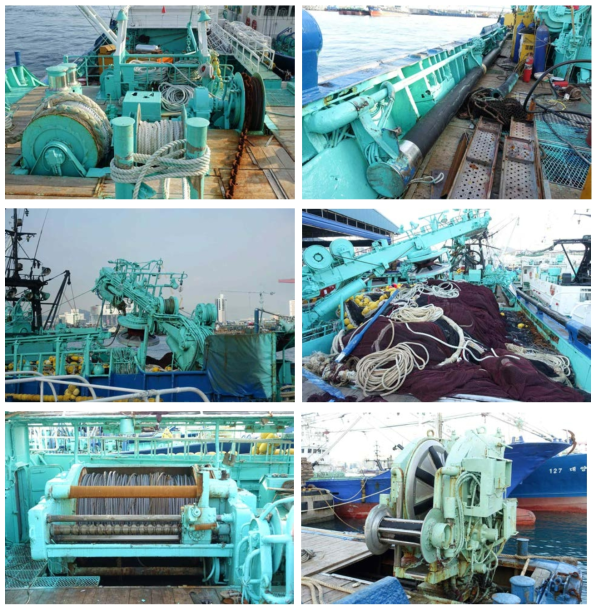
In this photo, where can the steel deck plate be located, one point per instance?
(475, 176)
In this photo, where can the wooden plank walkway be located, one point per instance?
(266, 170)
(441, 155)
(333, 551)
(184, 595)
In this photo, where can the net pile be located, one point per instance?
(464, 351)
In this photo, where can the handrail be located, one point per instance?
(130, 393)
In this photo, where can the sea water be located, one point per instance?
(554, 534)
(350, 41)
(44, 34)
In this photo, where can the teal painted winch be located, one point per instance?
(153, 106)
(85, 502)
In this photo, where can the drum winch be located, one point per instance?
(445, 516)
(156, 511)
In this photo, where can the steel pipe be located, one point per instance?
(118, 538)
(108, 518)
(395, 542)
(132, 492)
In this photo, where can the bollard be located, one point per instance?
(523, 588)
(522, 546)
(123, 141)
(196, 145)
(505, 599)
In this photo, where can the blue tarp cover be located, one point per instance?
(242, 365)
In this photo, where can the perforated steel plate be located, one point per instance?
(66, 582)
(474, 177)
(519, 179)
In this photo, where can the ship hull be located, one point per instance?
(559, 485)
(351, 493)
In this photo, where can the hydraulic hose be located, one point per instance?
(542, 76)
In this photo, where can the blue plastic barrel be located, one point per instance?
(540, 48)
(523, 588)
(505, 599)
(516, 47)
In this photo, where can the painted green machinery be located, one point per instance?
(445, 516)
(159, 104)
(571, 37)
(102, 511)
(143, 285)
(333, 275)
(365, 133)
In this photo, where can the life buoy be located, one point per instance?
(254, 25)
(248, 21)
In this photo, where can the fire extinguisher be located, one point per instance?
(248, 21)
(254, 26)
(527, 74)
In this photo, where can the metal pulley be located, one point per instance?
(68, 135)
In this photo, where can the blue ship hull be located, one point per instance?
(560, 484)
(526, 457)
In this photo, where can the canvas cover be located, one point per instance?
(242, 366)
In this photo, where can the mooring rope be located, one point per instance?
(175, 97)
(165, 163)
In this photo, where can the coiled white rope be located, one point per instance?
(8, 120)
(409, 313)
(174, 97)
(150, 72)
(559, 363)
(152, 136)
(164, 164)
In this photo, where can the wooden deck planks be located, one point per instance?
(252, 183)
(332, 551)
(112, 595)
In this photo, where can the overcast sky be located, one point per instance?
(220, 250)
(538, 225)
(359, 444)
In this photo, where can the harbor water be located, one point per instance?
(351, 41)
(38, 32)
(554, 534)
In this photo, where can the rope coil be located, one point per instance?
(165, 163)
(175, 97)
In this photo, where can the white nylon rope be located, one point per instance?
(163, 164)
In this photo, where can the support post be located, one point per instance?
(196, 146)
(123, 136)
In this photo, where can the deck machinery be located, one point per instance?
(447, 519)
(183, 513)
(157, 90)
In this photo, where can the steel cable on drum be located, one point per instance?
(133, 506)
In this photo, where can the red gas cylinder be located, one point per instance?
(527, 74)
(248, 21)
(254, 26)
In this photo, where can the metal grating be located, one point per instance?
(562, 165)
(558, 131)
(66, 582)
(19, 569)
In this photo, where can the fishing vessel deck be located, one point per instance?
(438, 159)
(266, 170)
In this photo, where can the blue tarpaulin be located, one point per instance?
(242, 366)
(387, 591)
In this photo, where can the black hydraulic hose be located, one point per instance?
(584, 332)
(428, 129)
(542, 76)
